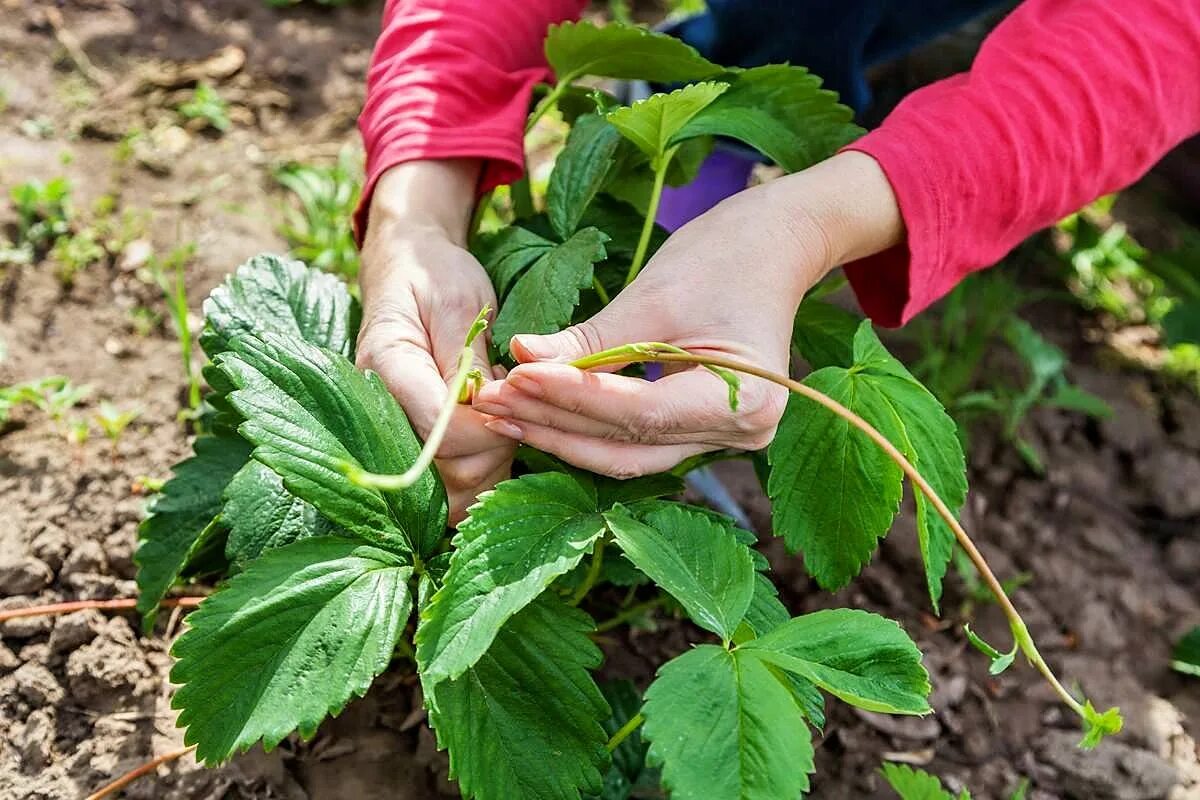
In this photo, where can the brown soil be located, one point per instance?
(1109, 535)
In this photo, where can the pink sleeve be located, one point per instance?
(1067, 100)
(453, 79)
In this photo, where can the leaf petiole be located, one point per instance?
(660, 176)
(624, 731)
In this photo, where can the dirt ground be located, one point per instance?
(1109, 535)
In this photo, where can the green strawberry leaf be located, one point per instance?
(576, 49)
(782, 112)
(545, 296)
(1000, 661)
(862, 658)
(507, 253)
(580, 171)
(693, 557)
(765, 612)
(622, 223)
(262, 515)
(309, 412)
(273, 293)
(525, 719)
(652, 123)
(292, 639)
(1099, 725)
(518, 538)
(814, 450)
(823, 334)
(724, 727)
(1186, 658)
(189, 503)
(914, 784)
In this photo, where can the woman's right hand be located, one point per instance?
(421, 290)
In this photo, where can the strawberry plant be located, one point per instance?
(318, 505)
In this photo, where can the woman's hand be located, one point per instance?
(421, 291)
(727, 284)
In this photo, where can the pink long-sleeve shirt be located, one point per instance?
(1067, 100)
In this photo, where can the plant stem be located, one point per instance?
(601, 292)
(653, 352)
(627, 614)
(660, 177)
(131, 776)
(593, 573)
(120, 604)
(624, 731)
(546, 102)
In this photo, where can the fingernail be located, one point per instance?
(495, 409)
(530, 348)
(525, 385)
(505, 428)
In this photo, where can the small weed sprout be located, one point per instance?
(316, 220)
(207, 109)
(113, 421)
(168, 273)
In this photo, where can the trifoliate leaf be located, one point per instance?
(518, 538)
(273, 293)
(824, 334)
(914, 784)
(309, 412)
(545, 296)
(576, 49)
(862, 658)
(651, 123)
(285, 643)
(814, 450)
(724, 727)
(188, 504)
(262, 515)
(693, 558)
(580, 171)
(1186, 658)
(525, 720)
(507, 253)
(780, 111)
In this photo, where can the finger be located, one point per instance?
(413, 378)
(615, 459)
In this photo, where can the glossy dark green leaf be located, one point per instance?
(262, 515)
(309, 412)
(525, 720)
(545, 296)
(292, 639)
(189, 503)
(518, 538)
(576, 49)
(580, 171)
(724, 727)
(273, 293)
(780, 111)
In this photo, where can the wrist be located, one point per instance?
(433, 197)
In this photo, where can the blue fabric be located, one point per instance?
(836, 39)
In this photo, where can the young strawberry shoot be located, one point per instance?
(319, 514)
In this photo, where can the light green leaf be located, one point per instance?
(262, 515)
(1098, 725)
(544, 298)
(580, 171)
(815, 450)
(914, 784)
(651, 123)
(1186, 658)
(273, 293)
(576, 49)
(507, 253)
(1000, 661)
(697, 560)
(518, 538)
(782, 112)
(724, 727)
(525, 720)
(862, 658)
(824, 334)
(292, 639)
(309, 412)
(188, 504)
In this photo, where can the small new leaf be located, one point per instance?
(862, 658)
(1098, 725)
(652, 123)
(1000, 661)
(724, 727)
(290, 640)
(544, 297)
(630, 52)
(518, 538)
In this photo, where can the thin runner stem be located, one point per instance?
(120, 604)
(131, 776)
(624, 731)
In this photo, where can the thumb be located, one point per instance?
(590, 336)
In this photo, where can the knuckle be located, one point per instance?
(624, 470)
(586, 337)
(759, 417)
(650, 424)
